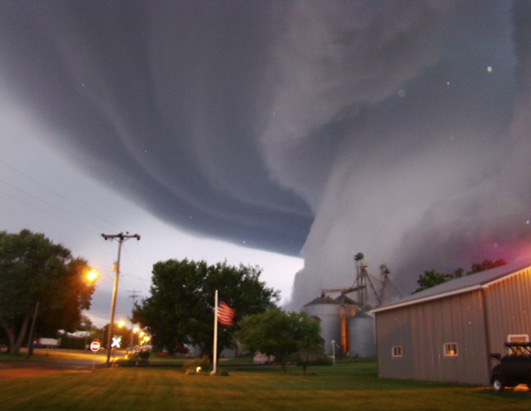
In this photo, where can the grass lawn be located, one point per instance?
(344, 386)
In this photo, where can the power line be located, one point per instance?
(131, 261)
(134, 276)
(42, 210)
(62, 210)
(65, 198)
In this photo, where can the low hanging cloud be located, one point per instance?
(400, 129)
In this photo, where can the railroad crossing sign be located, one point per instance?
(95, 345)
(116, 341)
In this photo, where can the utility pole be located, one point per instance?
(121, 238)
(133, 296)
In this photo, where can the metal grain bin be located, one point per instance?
(326, 310)
(361, 335)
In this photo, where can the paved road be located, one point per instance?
(55, 360)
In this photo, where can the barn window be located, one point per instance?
(450, 349)
(397, 351)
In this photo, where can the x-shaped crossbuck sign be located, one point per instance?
(116, 342)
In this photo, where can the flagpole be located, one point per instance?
(215, 359)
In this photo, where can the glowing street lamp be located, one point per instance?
(92, 275)
(121, 323)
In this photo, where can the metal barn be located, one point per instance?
(447, 333)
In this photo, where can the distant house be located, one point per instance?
(447, 332)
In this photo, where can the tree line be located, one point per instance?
(42, 280)
(431, 278)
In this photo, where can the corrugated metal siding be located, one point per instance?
(393, 329)
(422, 331)
(508, 304)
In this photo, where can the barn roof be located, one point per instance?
(461, 285)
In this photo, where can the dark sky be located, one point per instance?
(163, 97)
(400, 129)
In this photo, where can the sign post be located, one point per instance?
(95, 346)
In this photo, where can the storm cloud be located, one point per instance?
(400, 129)
(161, 101)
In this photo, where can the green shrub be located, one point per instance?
(136, 359)
(144, 355)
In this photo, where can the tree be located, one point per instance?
(35, 270)
(486, 265)
(308, 339)
(282, 335)
(180, 308)
(431, 278)
(269, 333)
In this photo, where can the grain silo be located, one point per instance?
(326, 311)
(362, 335)
(347, 310)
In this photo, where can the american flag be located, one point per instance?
(225, 314)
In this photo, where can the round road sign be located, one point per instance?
(95, 345)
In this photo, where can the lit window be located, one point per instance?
(397, 351)
(450, 349)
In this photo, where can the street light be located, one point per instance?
(92, 275)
